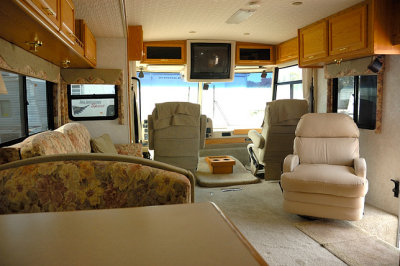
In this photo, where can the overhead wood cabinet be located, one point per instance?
(68, 20)
(25, 24)
(313, 42)
(86, 36)
(362, 30)
(164, 52)
(135, 43)
(348, 31)
(48, 9)
(254, 54)
(287, 51)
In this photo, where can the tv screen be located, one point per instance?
(210, 61)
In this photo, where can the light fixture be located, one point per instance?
(34, 45)
(66, 63)
(376, 64)
(240, 16)
(264, 74)
(141, 75)
(205, 86)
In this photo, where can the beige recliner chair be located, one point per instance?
(325, 176)
(276, 139)
(176, 133)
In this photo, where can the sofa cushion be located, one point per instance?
(103, 144)
(327, 179)
(46, 143)
(10, 153)
(78, 135)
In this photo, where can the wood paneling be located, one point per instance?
(348, 31)
(85, 35)
(287, 51)
(227, 140)
(395, 23)
(135, 43)
(244, 131)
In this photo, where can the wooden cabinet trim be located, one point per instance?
(46, 11)
(67, 27)
(135, 43)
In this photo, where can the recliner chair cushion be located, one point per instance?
(325, 179)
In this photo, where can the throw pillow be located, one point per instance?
(103, 144)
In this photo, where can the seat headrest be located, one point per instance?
(286, 110)
(327, 125)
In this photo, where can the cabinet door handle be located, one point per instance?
(342, 49)
(49, 11)
(311, 56)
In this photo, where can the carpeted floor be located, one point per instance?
(257, 211)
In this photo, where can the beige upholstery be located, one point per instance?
(325, 176)
(177, 133)
(276, 138)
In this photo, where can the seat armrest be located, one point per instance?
(257, 139)
(290, 162)
(132, 149)
(360, 167)
(203, 126)
(150, 131)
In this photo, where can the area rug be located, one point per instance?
(351, 244)
(240, 175)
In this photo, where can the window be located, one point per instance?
(288, 83)
(238, 104)
(164, 87)
(356, 96)
(92, 102)
(26, 107)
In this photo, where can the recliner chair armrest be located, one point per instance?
(360, 167)
(203, 127)
(257, 139)
(290, 162)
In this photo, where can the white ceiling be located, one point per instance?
(274, 21)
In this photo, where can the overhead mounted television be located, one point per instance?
(210, 61)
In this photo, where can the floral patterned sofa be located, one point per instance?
(56, 171)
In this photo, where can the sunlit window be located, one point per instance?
(289, 83)
(25, 107)
(237, 104)
(165, 87)
(92, 102)
(356, 96)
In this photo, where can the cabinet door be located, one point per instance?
(68, 20)
(287, 51)
(90, 45)
(348, 31)
(49, 9)
(313, 41)
(164, 52)
(254, 54)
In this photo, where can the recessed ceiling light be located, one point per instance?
(192, 31)
(297, 3)
(246, 33)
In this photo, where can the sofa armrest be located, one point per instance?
(257, 139)
(290, 162)
(132, 149)
(360, 167)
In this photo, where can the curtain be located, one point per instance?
(310, 78)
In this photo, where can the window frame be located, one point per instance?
(91, 97)
(356, 91)
(276, 83)
(24, 108)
